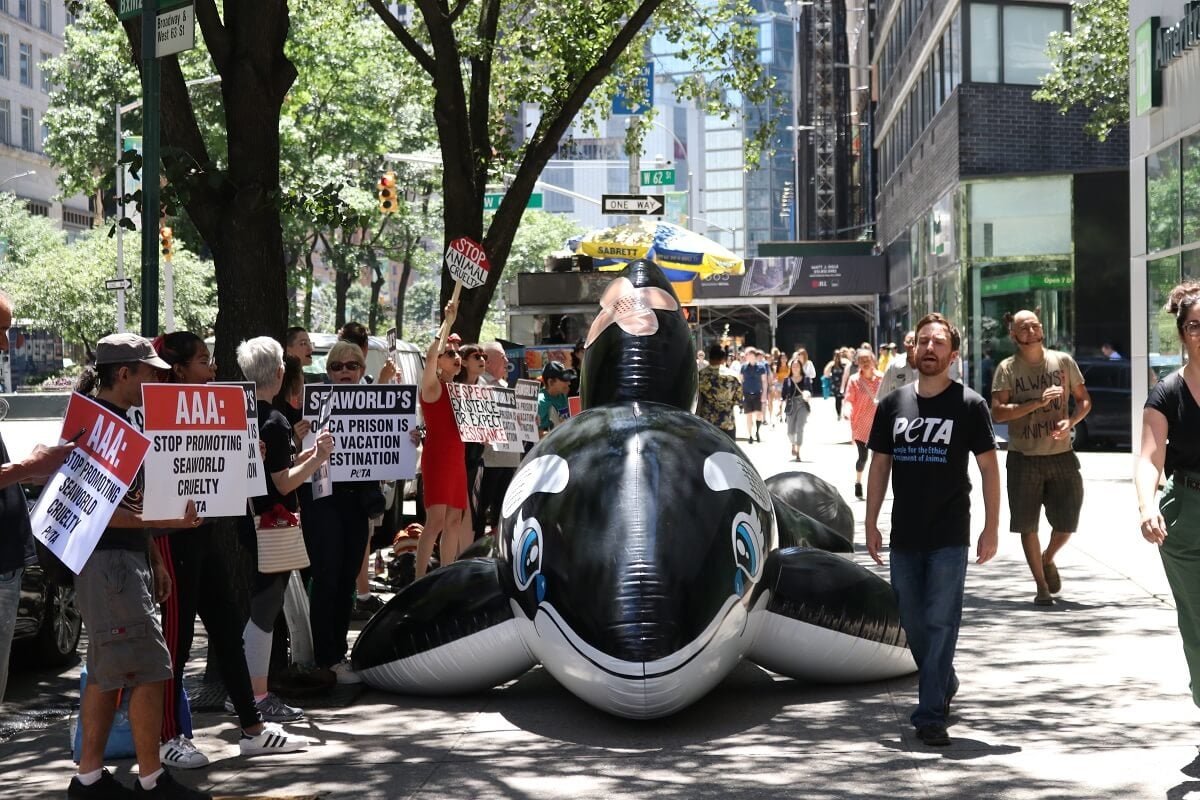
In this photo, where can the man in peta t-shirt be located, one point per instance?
(921, 436)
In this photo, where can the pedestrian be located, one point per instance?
(261, 361)
(920, 438)
(860, 396)
(15, 532)
(901, 371)
(117, 592)
(1170, 450)
(443, 457)
(717, 393)
(777, 371)
(553, 408)
(1110, 352)
(835, 370)
(795, 393)
(1030, 391)
(755, 383)
(498, 466)
(201, 575)
(474, 365)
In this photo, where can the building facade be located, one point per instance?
(989, 201)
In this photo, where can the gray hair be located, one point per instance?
(260, 359)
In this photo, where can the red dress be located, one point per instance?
(443, 457)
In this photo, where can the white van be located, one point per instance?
(410, 359)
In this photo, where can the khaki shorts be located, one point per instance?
(115, 596)
(1051, 481)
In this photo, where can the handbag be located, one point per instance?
(280, 541)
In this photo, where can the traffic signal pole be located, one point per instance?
(150, 168)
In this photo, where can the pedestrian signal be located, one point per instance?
(387, 193)
(168, 242)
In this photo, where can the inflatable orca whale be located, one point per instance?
(640, 556)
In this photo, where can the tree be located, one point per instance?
(1091, 65)
(487, 59)
(26, 237)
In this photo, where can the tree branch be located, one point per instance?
(481, 90)
(457, 11)
(216, 38)
(400, 32)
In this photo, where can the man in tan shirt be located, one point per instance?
(1030, 392)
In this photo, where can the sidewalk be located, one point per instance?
(1088, 699)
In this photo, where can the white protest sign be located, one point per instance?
(467, 262)
(322, 479)
(506, 404)
(371, 426)
(527, 399)
(79, 500)
(475, 413)
(256, 472)
(197, 451)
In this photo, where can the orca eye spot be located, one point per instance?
(747, 551)
(527, 554)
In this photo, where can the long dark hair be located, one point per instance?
(176, 348)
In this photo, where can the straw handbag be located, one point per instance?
(280, 542)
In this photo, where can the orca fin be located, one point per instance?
(797, 529)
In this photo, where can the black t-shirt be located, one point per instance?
(276, 433)
(929, 439)
(1174, 400)
(135, 539)
(14, 521)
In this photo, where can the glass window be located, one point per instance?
(44, 14)
(26, 127)
(726, 179)
(723, 159)
(1026, 31)
(45, 76)
(721, 140)
(1191, 188)
(45, 134)
(5, 122)
(1191, 265)
(1019, 217)
(23, 10)
(1163, 339)
(26, 64)
(985, 43)
(3, 55)
(731, 199)
(1162, 199)
(955, 50)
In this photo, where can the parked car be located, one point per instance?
(48, 622)
(1108, 383)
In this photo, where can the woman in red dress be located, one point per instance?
(443, 457)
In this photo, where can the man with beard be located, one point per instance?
(921, 436)
(1029, 392)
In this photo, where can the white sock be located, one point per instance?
(88, 778)
(148, 782)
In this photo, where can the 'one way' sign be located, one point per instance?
(647, 204)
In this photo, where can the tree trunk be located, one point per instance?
(376, 288)
(341, 285)
(308, 288)
(405, 274)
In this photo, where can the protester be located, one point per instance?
(1170, 450)
(718, 393)
(860, 396)
(14, 517)
(796, 391)
(201, 571)
(498, 466)
(1030, 391)
(921, 437)
(298, 344)
(755, 383)
(902, 371)
(553, 408)
(116, 593)
(474, 365)
(443, 457)
(261, 361)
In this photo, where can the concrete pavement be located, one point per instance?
(1088, 699)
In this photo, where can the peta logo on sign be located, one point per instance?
(931, 430)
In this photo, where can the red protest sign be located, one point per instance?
(108, 439)
(194, 407)
(467, 262)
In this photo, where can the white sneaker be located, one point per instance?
(345, 673)
(273, 739)
(182, 754)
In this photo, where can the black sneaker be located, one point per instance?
(107, 788)
(168, 788)
(858, 492)
(933, 735)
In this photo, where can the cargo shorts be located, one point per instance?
(1051, 481)
(115, 595)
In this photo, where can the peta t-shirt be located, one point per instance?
(929, 440)
(1031, 434)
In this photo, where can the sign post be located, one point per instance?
(469, 266)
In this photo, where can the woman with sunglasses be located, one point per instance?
(443, 457)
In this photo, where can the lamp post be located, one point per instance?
(25, 174)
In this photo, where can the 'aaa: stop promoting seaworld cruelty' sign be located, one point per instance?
(467, 262)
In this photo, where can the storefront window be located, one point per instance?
(1191, 189)
(1019, 217)
(1162, 274)
(1162, 199)
(1191, 265)
(947, 295)
(1006, 288)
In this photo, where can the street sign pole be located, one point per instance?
(150, 169)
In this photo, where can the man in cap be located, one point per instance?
(117, 592)
(553, 408)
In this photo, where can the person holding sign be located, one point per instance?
(443, 457)
(116, 592)
(200, 572)
(261, 361)
(553, 409)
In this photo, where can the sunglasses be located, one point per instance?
(338, 366)
(450, 353)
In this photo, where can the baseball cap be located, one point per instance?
(555, 369)
(125, 348)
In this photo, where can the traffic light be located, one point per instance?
(387, 193)
(167, 236)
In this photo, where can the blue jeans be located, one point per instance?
(10, 598)
(929, 589)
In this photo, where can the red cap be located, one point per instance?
(454, 338)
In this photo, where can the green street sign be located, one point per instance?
(1023, 282)
(128, 9)
(491, 200)
(658, 177)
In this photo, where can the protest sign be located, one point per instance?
(575, 405)
(322, 479)
(527, 398)
(370, 424)
(468, 264)
(197, 450)
(506, 404)
(475, 413)
(256, 473)
(79, 500)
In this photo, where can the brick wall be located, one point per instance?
(925, 174)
